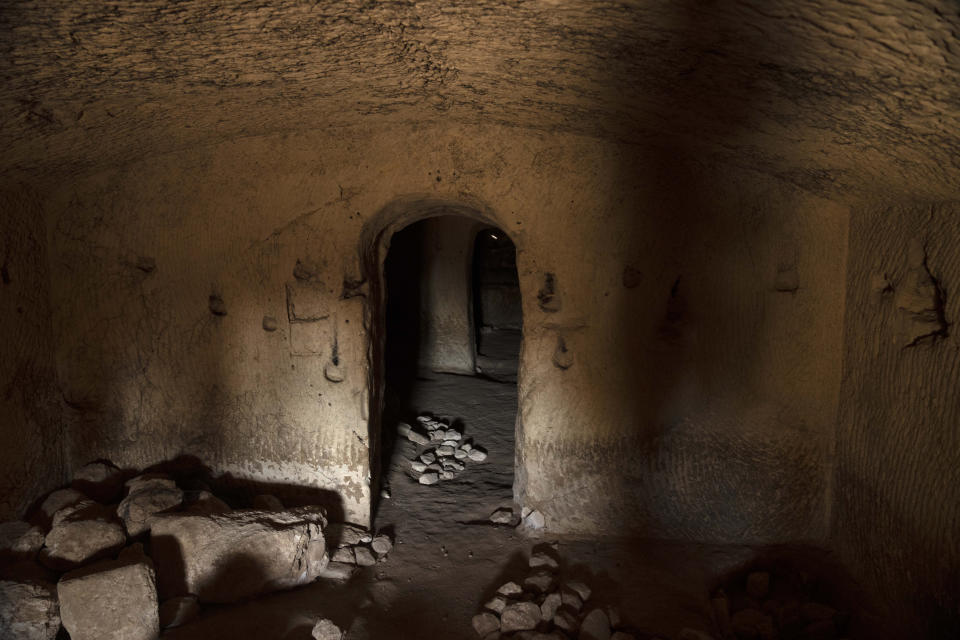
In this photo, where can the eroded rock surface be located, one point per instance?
(112, 600)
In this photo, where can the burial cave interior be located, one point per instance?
(541, 319)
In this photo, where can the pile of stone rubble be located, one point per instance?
(442, 451)
(770, 606)
(111, 557)
(546, 607)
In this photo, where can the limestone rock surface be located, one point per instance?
(112, 600)
(28, 611)
(82, 533)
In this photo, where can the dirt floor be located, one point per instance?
(448, 559)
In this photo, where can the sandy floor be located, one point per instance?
(448, 559)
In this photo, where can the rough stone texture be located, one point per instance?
(113, 600)
(84, 532)
(28, 611)
(100, 480)
(326, 630)
(19, 540)
(896, 513)
(31, 426)
(227, 557)
(57, 500)
(143, 504)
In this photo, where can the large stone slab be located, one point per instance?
(230, 556)
(112, 600)
(143, 503)
(28, 611)
(82, 533)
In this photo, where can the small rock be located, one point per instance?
(267, 502)
(452, 465)
(519, 616)
(477, 455)
(145, 480)
(571, 599)
(452, 434)
(450, 443)
(418, 466)
(381, 545)
(82, 533)
(345, 534)
(102, 481)
(437, 436)
(144, 502)
(541, 559)
(28, 610)
(596, 626)
(344, 555)
(460, 454)
(445, 451)
(428, 457)
(417, 438)
(579, 588)
(503, 515)
(539, 581)
(435, 467)
(424, 419)
(20, 540)
(430, 478)
(496, 604)
(113, 600)
(365, 557)
(325, 630)
(613, 614)
(385, 493)
(177, 611)
(534, 521)
(466, 446)
(59, 499)
(447, 475)
(550, 605)
(485, 624)
(758, 585)
(565, 620)
(404, 429)
(510, 589)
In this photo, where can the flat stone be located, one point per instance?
(418, 466)
(365, 557)
(566, 620)
(510, 589)
(460, 454)
(595, 626)
(141, 505)
(113, 600)
(578, 588)
(430, 478)
(20, 540)
(452, 434)
(466, 446)
(227, 557)
(437, 435)
(178, 611)
(503, 515)
(428, 457)
(145, 480)
(445, 451)
(267, 502)
(325, 630)
(418, 438)
(496, 604)
(544, 560)
(540, 581)
(450, 443)
(344, 555)
(344, 534)
(82, 533)
(477, 455)
(519, 616)
(550, 605)
(381, 545)
(453, 465)
(485, 624)
(28, 610)
(758, 585)
(100, 480)
(59, 499)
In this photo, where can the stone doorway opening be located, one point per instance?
(451, 329)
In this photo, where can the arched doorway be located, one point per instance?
(431, 301)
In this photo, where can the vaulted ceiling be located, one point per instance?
(838, 96)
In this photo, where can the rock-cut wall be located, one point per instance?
(31, 434)
(898, 443)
